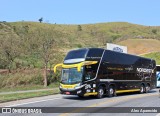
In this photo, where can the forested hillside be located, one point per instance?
(33, 45)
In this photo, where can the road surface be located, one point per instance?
(83, 105)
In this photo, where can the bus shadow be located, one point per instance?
(79, 98)
(94, 97)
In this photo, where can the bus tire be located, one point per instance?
(142, 89)
(100, 93)
(147, 88)
(111, 91)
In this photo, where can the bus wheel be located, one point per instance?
(147, 88)
(111, 91)
(142, 88)
(100, 92)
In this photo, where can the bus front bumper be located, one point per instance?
(72, 91)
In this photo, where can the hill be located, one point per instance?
(26, 42)
(25, 46)
(141, 46)
(155, 56)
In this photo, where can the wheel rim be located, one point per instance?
(142, 89)
(111, 91)
(147, 88)
(101, 92)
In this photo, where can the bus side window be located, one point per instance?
(90, 71)
(88, 75)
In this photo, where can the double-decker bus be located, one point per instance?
(100, 72)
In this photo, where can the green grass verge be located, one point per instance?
(18, 96)
(28, 87)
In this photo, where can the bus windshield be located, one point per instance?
(76, 54)
(71, 76)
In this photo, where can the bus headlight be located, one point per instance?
(78, 92)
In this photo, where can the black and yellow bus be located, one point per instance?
(100, 72)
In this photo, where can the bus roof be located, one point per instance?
(114, 51)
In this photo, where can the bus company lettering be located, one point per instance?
(144, 70)
(94, 57)
(115, 68)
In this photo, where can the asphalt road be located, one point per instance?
(94, 106)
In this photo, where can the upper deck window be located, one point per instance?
(76, 56)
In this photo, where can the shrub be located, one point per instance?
(26, 77)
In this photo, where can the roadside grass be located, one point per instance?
(29, 87)
(18, 96)
(30, 79)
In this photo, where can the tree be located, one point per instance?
(47, 45)
(46, 55)
(9, 49)
(154, 31)
(57, 59)
(79, 28)
(40, 20)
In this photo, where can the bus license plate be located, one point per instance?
(67, 93)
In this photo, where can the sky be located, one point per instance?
(143, 12)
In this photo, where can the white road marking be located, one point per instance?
(31, 102)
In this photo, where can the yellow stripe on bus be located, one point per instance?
(68, 86)
(79, 65)
(93, 93)
(131, 90)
